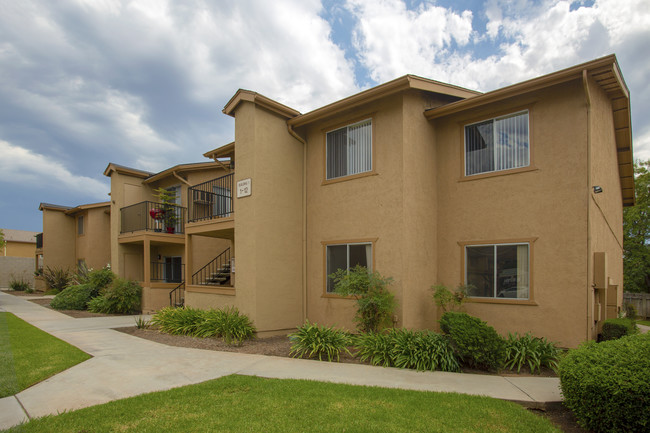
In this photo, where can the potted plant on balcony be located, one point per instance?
(168, 211)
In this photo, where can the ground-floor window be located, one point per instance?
(500, 271)
(346, 256)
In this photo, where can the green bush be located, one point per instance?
(448, 300)
(101, 278)
(57, 279)
(532, 351)
(19, 285)
(606, 384)
(614, 329)
(403, 348)
(121, 297)
(375, 304)
(312, 340)
(73, 298)
(476, 344)
(630, 311)
(228, 324)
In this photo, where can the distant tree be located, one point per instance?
(636, 233)
(2, 239)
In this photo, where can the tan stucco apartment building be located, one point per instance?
(517, 192)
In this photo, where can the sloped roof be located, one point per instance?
(22, 236)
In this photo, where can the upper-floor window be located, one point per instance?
(497, 144)
(349, 150)
(80, 225)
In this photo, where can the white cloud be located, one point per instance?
(21, 168)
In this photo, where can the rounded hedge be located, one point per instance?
(607, 385)
(475, 342)
(73, 298)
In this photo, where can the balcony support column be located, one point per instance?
(147, 262)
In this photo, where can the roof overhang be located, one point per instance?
(83, 207)
(50, 206)
(387, 89)
(225, 151)
(261, 100)
(121, 169)
(181, 168)
(606, 73)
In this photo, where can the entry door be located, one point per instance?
(173, 269)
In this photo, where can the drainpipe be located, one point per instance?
(590, 299)
(304, 220)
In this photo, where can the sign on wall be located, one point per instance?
(244, 188)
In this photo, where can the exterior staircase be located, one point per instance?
(215, 273)
(220, 277)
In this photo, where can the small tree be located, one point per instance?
(375, 304)
(2, 239)
(448, 300)
(168, 199)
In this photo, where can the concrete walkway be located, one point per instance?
(124, 366)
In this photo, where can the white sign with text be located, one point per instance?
(244, 188)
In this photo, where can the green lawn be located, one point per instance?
(643, 322)
(29, 355)
(252, 404)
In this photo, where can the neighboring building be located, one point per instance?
(18, 243)
(74, 236)
(430, 183)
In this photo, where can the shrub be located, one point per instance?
(630, 311)
(532, 351)
(73, 298)
(311, 340)
(142, 323)
(19, 284)
(121, 297)
(228, 324)
(100, 278)
(606, 384)
(448, 300)
(614, 329)
(475, 343)
(403, 348)
(57, 279)
(375, 304)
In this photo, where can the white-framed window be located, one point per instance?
(349, 150)
(500, 271)
(346, 256)
(497, 144)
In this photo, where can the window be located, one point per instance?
(497, 144)
(173, 269)
(346, 256)
(498, 271)
(80, 225)
(349, 150)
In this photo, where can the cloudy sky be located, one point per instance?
(142, 83)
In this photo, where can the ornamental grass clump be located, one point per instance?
(403, 348)
(534, 352)
(312, 340)
(606, 384)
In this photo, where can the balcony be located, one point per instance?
(211, 200)
(152, 216)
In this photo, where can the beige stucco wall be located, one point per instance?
(94, 245)
(58, 240)
(605, 211)
(19, 249)
(547, 205)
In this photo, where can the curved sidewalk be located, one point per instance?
(124, 366)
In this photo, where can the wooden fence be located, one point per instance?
(641, 302)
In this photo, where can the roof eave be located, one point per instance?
(246, 95)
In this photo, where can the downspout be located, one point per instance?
(304, 220)
(590, 299)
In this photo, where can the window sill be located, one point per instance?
(350, 177)
(497, 173)
(335, 296)
(510, 301)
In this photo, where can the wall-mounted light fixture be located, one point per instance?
(597, 189)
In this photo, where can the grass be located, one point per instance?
(643, 322)
(29, 355)
(252, 404)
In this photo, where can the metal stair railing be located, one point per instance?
(177, 296)
(216, 272)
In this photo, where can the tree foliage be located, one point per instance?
(636, 233)
(2, 239)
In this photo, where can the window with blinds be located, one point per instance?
(349, 150)
(497, 144)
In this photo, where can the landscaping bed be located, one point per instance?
(77, 314)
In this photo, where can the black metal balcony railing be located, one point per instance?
(211, 199)
(168, 271)
(152, 216)
(39, 241)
